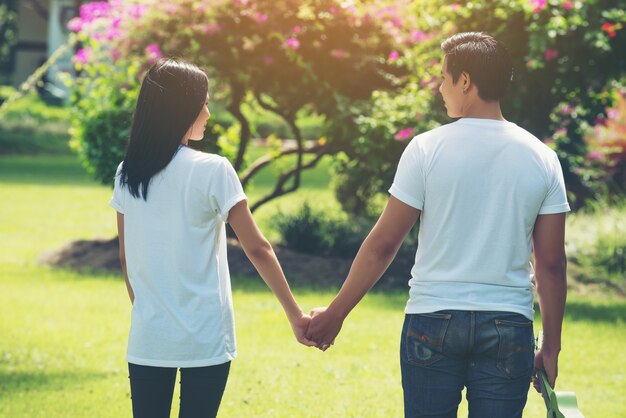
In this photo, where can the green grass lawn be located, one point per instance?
(63, 334)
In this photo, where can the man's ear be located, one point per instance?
(467, 82)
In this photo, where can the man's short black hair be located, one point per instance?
(485, 60)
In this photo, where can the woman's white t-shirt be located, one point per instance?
(480, 184)
(175, 244)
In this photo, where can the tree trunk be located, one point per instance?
(238, 93)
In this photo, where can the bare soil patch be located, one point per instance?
(300, 269)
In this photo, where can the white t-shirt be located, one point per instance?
(480, 184)
(175, 246)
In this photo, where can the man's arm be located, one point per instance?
(120, 234)
(551, 280)
(376, 253)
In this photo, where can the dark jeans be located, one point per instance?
(201, 390)
(490, 353)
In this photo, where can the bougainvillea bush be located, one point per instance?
(284, 56)
(369, 68)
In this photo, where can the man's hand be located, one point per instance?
(324, 327)
(548, 361)
(300, 326)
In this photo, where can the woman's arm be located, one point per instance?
(261, 254)
(120, 234)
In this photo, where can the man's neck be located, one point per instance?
(481, 109)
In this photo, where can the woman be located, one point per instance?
(173, 203)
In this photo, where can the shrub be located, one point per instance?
(316, 231)
(30, 126)
(305, 231)
(596, 240)
(607, 147)
(105, 136)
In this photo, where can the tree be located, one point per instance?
(285, 56)
(370, 68)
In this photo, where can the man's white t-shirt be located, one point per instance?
(480, 184)
(175, 245)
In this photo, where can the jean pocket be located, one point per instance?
(424, 337)
(515, 348)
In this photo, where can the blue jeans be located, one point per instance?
(490, 353)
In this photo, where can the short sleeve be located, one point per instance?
(118, 199)
(409, 183)
(225, 190)
(556, 199)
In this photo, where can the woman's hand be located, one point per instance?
(300, 325)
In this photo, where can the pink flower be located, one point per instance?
(338, 53)
(75, 24)
(560, 132)
(292, 43)
(136, 11)
(83, 56)
(551, 54)
(260, 17)
(394, 55)
(154, 52)
(94, 10)
(115, 54)
(419, 36)
(428, 82)
(404, 134)
(538, 5)
(112, 34)
(567, 109)
(568, 5)
(600, 121)
(297, 29)
(210, 29)
(594, 155)
(171, 8)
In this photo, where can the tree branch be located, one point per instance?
(237, 95)
(268, 159)
(289, 116)
(279, 189)
(274, 109)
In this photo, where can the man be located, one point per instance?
(485, 190)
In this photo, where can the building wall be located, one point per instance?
(32, 42)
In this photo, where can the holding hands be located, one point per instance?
(324, 327)
(318, 329)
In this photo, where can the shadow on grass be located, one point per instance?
(58, 170)
(606, 312)
(22, 382)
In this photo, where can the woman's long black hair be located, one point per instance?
(171, 97)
